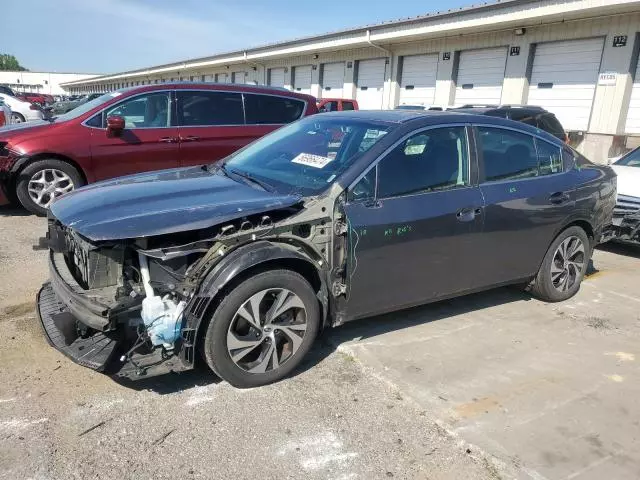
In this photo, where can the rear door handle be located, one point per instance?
(559, 198)
(189, 138)
(168, 140)
(468, 214)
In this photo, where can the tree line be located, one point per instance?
(10, 63)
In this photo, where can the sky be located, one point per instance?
(106, 36)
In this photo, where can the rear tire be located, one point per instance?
(262, 329)
(563, 267)
(17, 117)
(42, 181)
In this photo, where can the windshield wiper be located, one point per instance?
(247, 176)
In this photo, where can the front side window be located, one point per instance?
(144, 111)
(630, 160)
(201, 108)
(268, 109)
(507, 155)
(307, 156)
(432, 160)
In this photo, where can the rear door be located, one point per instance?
(527, 198)
(148, 142)
(211, 125)
(413, 230)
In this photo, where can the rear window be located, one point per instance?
(347, 106)
(268, 109)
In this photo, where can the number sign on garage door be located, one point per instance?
(418, 80)
(276, 77)
(302, 79)
(633, 116)
(563, 79)
(370, 83)
(480, 76)
(332, 80)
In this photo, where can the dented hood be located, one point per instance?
(162, 202)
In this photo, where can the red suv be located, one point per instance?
(138, 129)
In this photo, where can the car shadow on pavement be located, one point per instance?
(627, 249)
(169, 383)
(13, 211)
(368, 328)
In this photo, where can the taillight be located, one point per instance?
(33, 106)
(3, 119)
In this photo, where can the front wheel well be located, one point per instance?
(47, 156)
(304, 268)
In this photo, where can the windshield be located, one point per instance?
(87, 106)
(630, 160)
(307, 156)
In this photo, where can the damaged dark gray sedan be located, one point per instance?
(335, 217)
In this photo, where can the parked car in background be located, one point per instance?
(7, 91)
(36, 98)
(22, 111)
(531, 115)
(627, 211)
(5, 114)
(420, 107)
(337, 105)
(134, 130)
(246, 261)
(59, 108)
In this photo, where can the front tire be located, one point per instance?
(262, 329)
(563, 267)
(42, 181)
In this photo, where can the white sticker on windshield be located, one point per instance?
(310, 160)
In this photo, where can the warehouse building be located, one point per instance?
(40, 82)
(576, 58)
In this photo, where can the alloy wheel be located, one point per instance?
(267, 330)
(568, 263)
(47, 184)
(15, 118)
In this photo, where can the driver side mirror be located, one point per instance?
(115, 125)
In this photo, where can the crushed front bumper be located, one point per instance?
(60, 328)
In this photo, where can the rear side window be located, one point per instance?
(347, 106)
(267, 109)
(329, 107)
(549, 158)
(507, 155)
(202, 108)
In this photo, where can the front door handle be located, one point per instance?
(189, 138)
(559, 198)
(168, 140)
(468, 214)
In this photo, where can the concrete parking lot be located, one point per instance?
(494, 385)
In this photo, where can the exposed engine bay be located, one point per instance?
(152, 293)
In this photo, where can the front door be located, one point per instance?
(412, 232)
(148, 142)
(527, 197)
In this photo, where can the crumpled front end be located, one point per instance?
(626, 218)
(100, 309)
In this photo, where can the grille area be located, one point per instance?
(92, 267)
(626, 205)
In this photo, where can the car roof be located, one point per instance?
(433, 117)
(234, 87)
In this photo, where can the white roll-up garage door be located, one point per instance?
(238, 77)
(332, 80)
(302, 79)
(633, 116)
(563, 79)
(480, 76)
(370, 82)
(418, 80)
(276, 77)
(223, 77)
